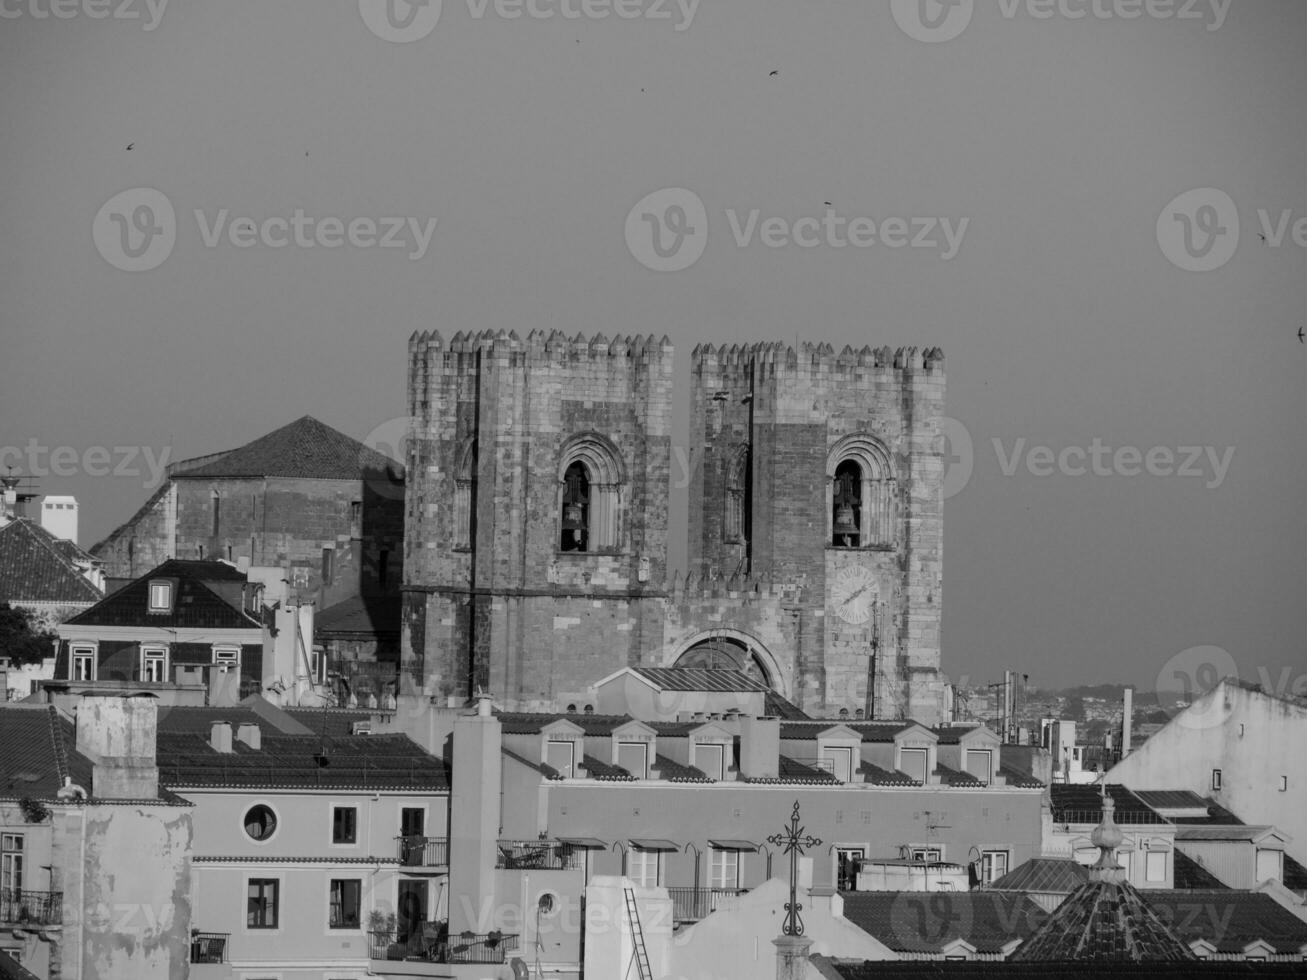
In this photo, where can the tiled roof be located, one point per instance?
(1190, 874)
(333, 721)
(1050, 876)
(1103, 922)
(953, 734)
(35, 566)
(700, 679)
(997, 970)
(885, 777)
(1172, 799)
(957, 778)
(674, 772)
(195, 604)
(921, 922)
(1020, 780)
(1295, 875)
(331, 859)
(1222, 832)
(1216, 814)
(253, 710)
(1081, 803)
(291, 762)
(39, 751)
(304, 449)
(777, 707)
(532, 723)
(11, 969)
(602, 770)
(793, 771)
(366, 615)
(871, 731)
(1228, 919)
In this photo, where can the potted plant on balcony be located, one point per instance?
(382, 926)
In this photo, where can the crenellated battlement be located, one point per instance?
(545, 345)
(810, 359)
(760, 583)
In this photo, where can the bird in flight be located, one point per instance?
(775, 73)
(130, 145)
(1300, 340)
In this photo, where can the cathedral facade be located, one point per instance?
(536, 534)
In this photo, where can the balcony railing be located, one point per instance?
(429, 945)
(692, 904)
(209, 947)
(540, 855)
(36, 908)
(423, 852)
(1119, 817)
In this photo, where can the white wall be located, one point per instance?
(1253, 738)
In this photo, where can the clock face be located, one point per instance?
(853, 593)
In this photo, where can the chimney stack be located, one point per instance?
(250, 734)
(1127, 720)
(119, 736)
(760, 747)
(220, 737)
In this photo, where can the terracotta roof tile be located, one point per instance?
(195, 605)
(35, 566)
(304, 449)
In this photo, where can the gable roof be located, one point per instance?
(1103, 921)
(1228, 919)
(361, 615)
(39, 751)
(252, 710)
(1226, 832)
(35, 566)
(304, 449)
(1052, 876)
(698, 679)
(1190, 874)
(921, 922)
(195, 605)
(1081, 803)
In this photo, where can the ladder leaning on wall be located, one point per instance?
(638, 952)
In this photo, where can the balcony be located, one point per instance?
(692, 904)
(540, 855)
(31, 908)
(209, 947)
(432, 945)
(423, 852)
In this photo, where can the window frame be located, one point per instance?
(153, 653)
(729, 857)
(571, 747)
(987, 859)
(1218, 778)
(224, 662)
(82, 651)
(168, 587)
(645, 855)
(245, 811)
(336, 809)
(358, 924)
(13, 862)
(276, 882)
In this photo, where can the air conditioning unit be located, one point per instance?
(361, 728)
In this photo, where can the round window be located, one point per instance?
(260, 821)
(546, 903)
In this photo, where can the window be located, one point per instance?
(634, 758)
(356, 519)
(846, 516)
(216, 502)
(262, 905)
(328, 564)
(736, 523)
(260, 822)
(154, 664)
(926, 854)
(993, 865)
(1270, 864)
(465, 496)
(711, 760)
(980, 764)
(344, 825)
(161, 595)
(912, 762)
(725, 871)
(412, 821)
(1155, 866)
(644, 867)
(1284, 784)
(848, 860)
(226, 658)
(576, 508)
(862, 494)
(11, 862)
(83, 664)
(838, 760)
(318, 665)
(383, 569)
(1216, 779)
(346, 898)
(560, 756)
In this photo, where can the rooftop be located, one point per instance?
(304, 449)
(195, 604)
(35, 566)
(921, 922)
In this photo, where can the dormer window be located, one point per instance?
(634, 758)
(160, 596)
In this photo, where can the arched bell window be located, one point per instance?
(736, 523)
(576, 509)
(846, 518)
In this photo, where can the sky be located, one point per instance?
(1068, 198)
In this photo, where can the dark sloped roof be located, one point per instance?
(1103, 922)
(1050, 876)
(994, 970)
(953, 734)
(1021, 780)
(793, 771)
(304, 449)
(1081, 803)
(885, 777)
(1172, 799)
(674, 772)
(253, 710)
(39, 750)
(957, 778)
(1295, 875)
(531, 723)
(1190, 874)
(1216, 814)
(195, 605)
(35, 566)
(926, 922)
(11, 969)
(602, 770)
(1228, 919)
(777, 707)
(871, 731)
(332, 721)
(361, 615)
(700, 679)
(289, 762)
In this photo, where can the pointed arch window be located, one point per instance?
(736, 522)
(591, 478)
(863, 494)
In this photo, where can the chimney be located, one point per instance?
(760, 747)
(474, 818)
(119, 736)
(1127, 720)
(224, 687)
(250, 734)
(220, 737)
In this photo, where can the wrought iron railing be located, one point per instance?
(692, 904)
(540, 855)
(423, 852)
(1119, 817)
(209, 947)
(429, 944)
(37, 908)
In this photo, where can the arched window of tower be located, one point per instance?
(862, 494)
(591, 477)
